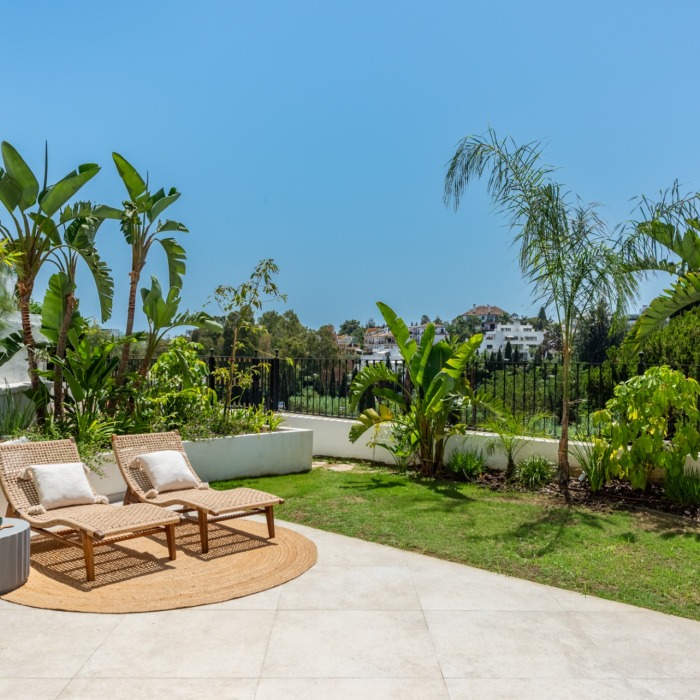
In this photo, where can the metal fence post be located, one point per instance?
(274, 382)
(212, 367)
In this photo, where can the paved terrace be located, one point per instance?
(366, 622)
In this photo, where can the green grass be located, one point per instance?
(649, 560)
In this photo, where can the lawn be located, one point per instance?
(645, 559)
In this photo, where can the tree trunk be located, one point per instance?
(563, 453)
(25, 295)
(231, 367)
(60, 354)
(131, 313)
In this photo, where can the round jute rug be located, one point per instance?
(137, 576)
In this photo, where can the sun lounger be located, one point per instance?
(208, 504)
(87, 525)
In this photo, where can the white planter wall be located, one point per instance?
(286, 451)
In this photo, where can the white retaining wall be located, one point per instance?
(331, 440)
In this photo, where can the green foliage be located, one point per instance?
(242, 302)
(433, 409)
(534, 472)
(177, 390)
(597, 331)
(16, 413)
(214, 421)
(677, 343)
(652, 421)
(684, 488)
(670, 226)
(466, 464)
(462, 328)
(163, 316)
(597, 462)
(88, 370)
(512, 430)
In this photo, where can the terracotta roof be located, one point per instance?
(485, 310)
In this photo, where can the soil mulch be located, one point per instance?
(616, 495)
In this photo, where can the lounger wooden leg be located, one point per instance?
(170, 534)
(89, 557)
(203, 530)
(270, 516)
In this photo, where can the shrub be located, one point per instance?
(16, 413)
(596, 460)
(534, 472)
(652, 423)
(684, 488)
(466, 464)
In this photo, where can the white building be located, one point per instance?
(522, 337)
(380, 342)
(416, 331)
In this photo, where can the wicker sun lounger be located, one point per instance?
(88, 525)
(210, 505)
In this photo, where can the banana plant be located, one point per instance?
(31, 232)
(60, 306)
(422, 410)
(162, 315)
(88, 370)
(142, 227)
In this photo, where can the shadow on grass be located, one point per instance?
(447, 489)
(375, 482)
(550, 528)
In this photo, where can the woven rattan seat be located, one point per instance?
(207, 503)
(87, 525)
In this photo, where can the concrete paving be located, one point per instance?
(366, 622)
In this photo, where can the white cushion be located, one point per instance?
(167, 470)
(59, 485)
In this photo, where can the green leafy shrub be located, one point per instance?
(214, 421)
(466, 464)
(16, 413)
(652, 424)
(534, 472)
(684, 488)
(597, 462)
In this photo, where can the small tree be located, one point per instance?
(564, 246)
(420, 416)
(242, 302)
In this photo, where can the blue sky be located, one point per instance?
(317, 133)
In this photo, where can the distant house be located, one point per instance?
(347, 344)
(416, 331)
(488, 315)
(379, 337)
(521, 336)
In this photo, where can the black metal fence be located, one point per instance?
(322, 387)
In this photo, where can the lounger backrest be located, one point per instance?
(16, 457)
(128, 447)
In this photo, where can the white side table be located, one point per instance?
(14, 554)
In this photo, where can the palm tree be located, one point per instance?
(32, 234)
(141, 227)
(564, 248)
(667, 239)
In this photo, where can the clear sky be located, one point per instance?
(317, 133)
